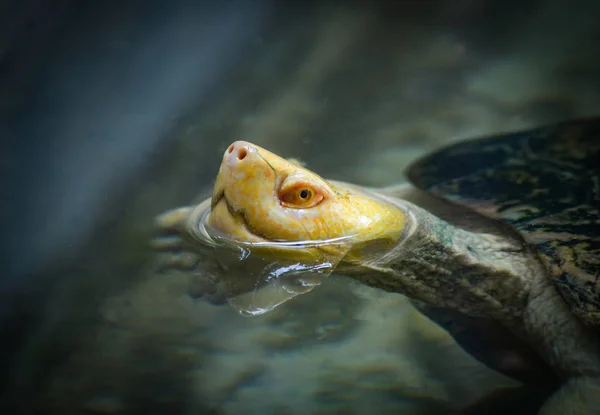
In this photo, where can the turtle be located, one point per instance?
(495, 238)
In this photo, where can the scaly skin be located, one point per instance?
(400, 246)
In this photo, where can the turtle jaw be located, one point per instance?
(244, 182)
(230, 223)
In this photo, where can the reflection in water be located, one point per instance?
(253, 277)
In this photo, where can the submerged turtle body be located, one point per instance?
(497, 241)
(545, 184)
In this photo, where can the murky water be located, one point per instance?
(126, 113)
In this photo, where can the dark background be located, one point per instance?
(111, 112)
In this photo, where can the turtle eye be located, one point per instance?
(300, 197)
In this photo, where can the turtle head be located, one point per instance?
(261, 197)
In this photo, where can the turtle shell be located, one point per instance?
(545, 183)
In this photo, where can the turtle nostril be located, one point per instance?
(237, 152)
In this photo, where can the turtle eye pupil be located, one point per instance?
(304, 194)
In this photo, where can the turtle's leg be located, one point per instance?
(578, 396)
(173, 221)
(170, 240)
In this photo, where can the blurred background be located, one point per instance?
(112, 112)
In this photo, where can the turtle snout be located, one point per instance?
(239, 153)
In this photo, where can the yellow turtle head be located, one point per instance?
(261, 197)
